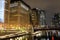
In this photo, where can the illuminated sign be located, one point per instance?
(2, 10)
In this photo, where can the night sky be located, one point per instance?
(50, 6)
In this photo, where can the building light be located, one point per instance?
(17, 15)
(7, 10)
(14, 4)
(26, 8)
(32, 14)
(11, 25)
(13, 10)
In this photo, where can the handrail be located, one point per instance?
(47, 29)
(13, 35)
(18, 34)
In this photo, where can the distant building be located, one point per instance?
(39, 18)
(34, 17)
(42, 18)
(56, 20)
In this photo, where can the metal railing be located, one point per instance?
(26, 36)
(16, 36)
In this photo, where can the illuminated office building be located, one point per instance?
(39, 18)
(56, 20)
(34, 18)
(42, 19)
(17, 15)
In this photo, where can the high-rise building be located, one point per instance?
(19, 15)
(42, 19)
(34, 17)
(16, 15)
(39, 18)
(56, 20)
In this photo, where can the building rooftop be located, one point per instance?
(12, 1)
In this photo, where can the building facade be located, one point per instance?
(42, 19)
(16, 15)
(6, 13)
(34, 18)
(38, 18)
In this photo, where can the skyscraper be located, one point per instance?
(42, 18)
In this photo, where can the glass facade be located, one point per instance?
(42, 19)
